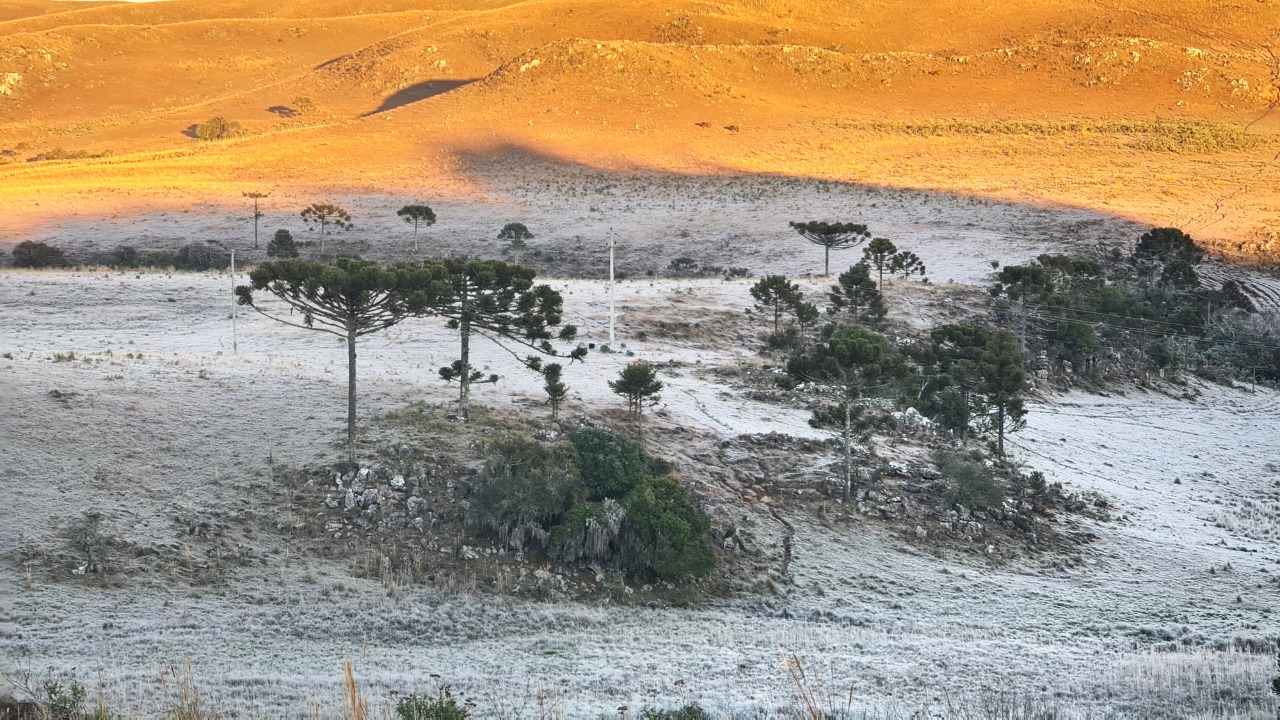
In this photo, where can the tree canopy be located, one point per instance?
(776, 294)
(417, 215)
(879, 253)
(987, 365)
(350, 299)
(844, 370)
(831, 236)
(638, 382)
(857, 293)
(499, 301)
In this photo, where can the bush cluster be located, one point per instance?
(598, 498)
(969, 483)
(32, 254)
(218, 128)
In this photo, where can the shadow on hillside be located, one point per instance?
(419, 91)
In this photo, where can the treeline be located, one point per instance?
(1150, 310)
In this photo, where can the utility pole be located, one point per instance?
(235, 329)
(611, 284)
(256, 215)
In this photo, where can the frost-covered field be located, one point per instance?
(1166, 614)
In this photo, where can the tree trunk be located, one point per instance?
(1000, 429)
(880, 269)
(777, 310)
(351, 396)
(848, 453)
(464, 390)
(826, 261)
(415, 237)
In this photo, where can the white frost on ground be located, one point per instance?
(144, 439)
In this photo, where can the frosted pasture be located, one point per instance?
(156, 417)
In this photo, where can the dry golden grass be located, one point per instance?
(1160, 111)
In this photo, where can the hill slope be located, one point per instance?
(1160, 112)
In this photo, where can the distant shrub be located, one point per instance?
(665, 537)
(59, 153)
(304, 105)
(525, 489)
(683, 265)
(969, 483)
(282, 245)
(218, 128)
(126, 256)
(199, 257)
(692, 711)
(426, 707)
(32, 254)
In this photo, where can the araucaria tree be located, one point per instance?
(775, 294)
(907, 263)
(879, 255)
(350, 299)
(845, 370)
(831, 236)
(987, 367)
(326, 214)
(516, 235)
(638, 382)
(499, 301)
(417, 215)
(557, 391)
(857, 293)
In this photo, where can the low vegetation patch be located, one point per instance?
(32, 254)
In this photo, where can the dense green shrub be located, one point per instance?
(949, 407)
(665, 537)
(969, 483)
(595, 499)
(525, 489)
(32, 254)
(611, 464)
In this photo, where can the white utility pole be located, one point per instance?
(611, 284)
(235, 330)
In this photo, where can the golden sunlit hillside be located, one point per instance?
(1163, 112)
